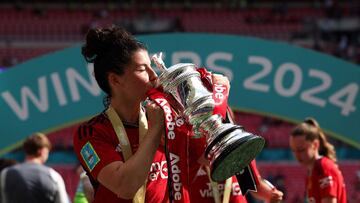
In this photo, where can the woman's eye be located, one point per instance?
(141, 69)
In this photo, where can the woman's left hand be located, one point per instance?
(221, 79)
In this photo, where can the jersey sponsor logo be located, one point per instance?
(158, 170)
(326, 182)
(170, 124)
(236, 189)
(179, 121)
(219, 96)
(207, 192)
(175, 176)
(89, 156)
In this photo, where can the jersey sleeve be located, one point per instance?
(327, 180)
(95, 149)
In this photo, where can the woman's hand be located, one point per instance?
(155, 115)
(222, 80)
(276, 196)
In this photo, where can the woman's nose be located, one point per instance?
(152, 74)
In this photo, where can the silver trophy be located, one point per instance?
(228, 147)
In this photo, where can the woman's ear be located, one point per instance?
(316, 144)
(115, 80)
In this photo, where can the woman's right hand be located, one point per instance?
(125, 178)
(155, 116)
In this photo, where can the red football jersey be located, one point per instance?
(96, 145)
(201, 190)
(200, 186)
(325, 180)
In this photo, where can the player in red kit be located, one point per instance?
(118, 147)
(122, 149)
(324, 183)
(99, 146)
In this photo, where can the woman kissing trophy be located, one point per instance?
(229, 148)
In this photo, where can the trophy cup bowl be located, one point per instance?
(229, 148)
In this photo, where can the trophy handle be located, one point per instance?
(157, 59)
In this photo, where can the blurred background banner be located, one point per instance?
(46, 93)
(271, 78)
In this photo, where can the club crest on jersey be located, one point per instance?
(89, 156)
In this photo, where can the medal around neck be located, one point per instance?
(229, 147)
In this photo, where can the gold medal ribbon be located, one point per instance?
(215, 190)
(125, 143)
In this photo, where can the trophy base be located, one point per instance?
(236, 157)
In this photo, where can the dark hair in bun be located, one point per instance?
(110, 49)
